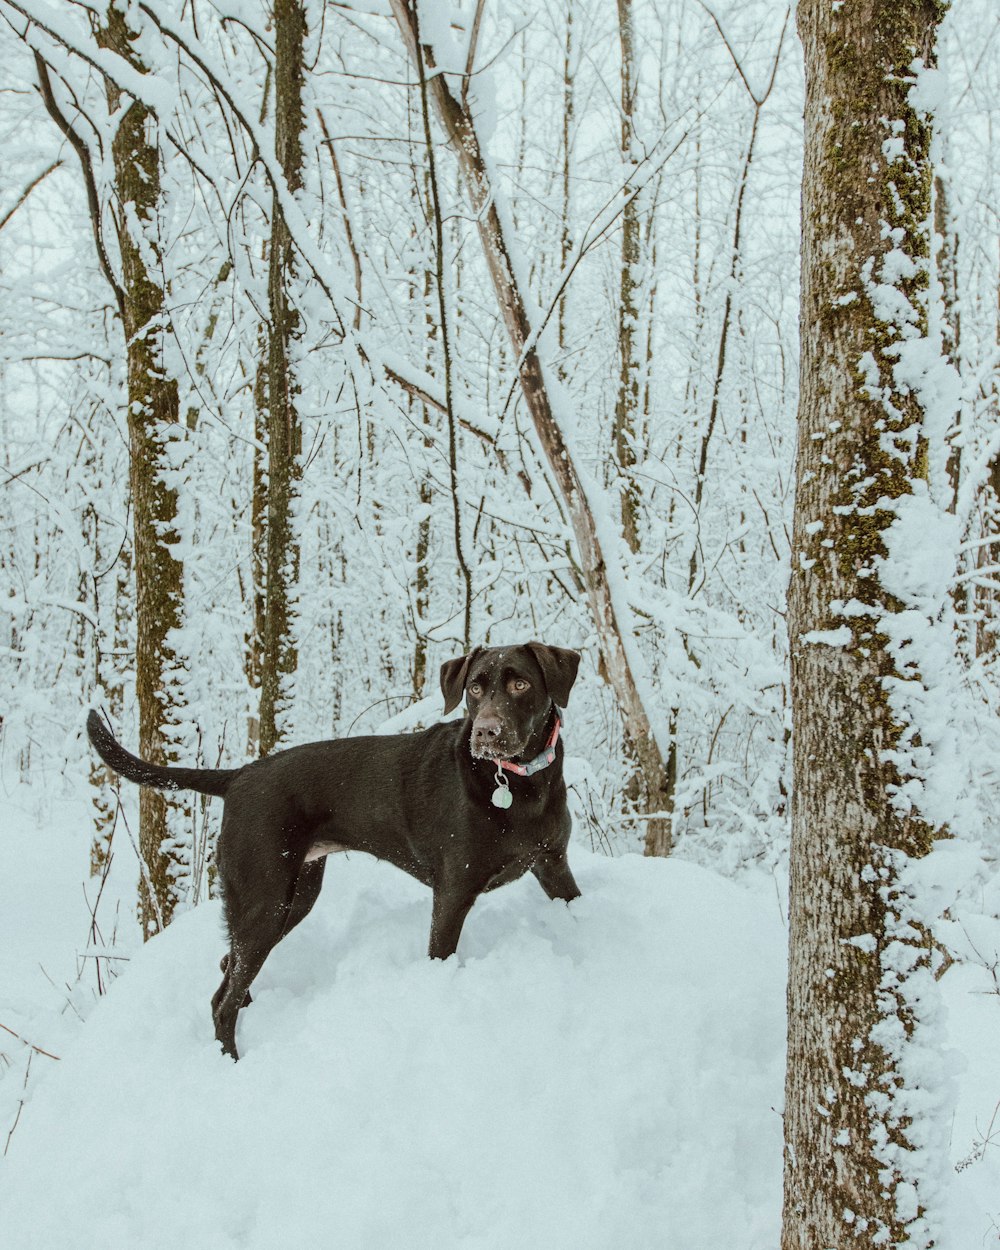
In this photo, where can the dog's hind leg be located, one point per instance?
(252, 938)
(224, 969)
(258, 891)
(307, 889)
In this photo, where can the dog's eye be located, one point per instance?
(519, 685)
(475, 689)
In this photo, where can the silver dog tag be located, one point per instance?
(502, 797)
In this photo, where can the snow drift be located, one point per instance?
(603, 1075)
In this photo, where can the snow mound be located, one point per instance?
(595, 1076)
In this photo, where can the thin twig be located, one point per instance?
(28, 190)
(349, 233)
(38, 1049)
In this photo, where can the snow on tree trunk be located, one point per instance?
(856, 1165)
(153, 417)
(627, 403)
(279, 657)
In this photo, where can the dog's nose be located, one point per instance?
(485, 728)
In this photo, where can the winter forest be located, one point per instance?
(338, 338)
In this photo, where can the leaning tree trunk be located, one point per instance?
(852, 1174)
(279, 655)
(460, 129)
(153, 415)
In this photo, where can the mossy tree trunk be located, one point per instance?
(279, 656)
(851, 1173)
(153, 419)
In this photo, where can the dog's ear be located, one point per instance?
(558, 667)
(453, 675)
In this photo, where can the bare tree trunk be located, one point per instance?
(254, 641)
(109, 679)
(951, 325)
(439, 284)
(153, 412)
(279, 658)
(421, 572)
(569, 107)
(850, 1175)
(984, 596)
(624, 429)
(460, 129)
(627, 404)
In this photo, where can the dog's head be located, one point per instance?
(509, 692)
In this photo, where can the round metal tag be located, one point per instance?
(502, 797)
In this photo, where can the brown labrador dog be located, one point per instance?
(464, 807)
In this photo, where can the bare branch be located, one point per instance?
(28, 190)
(348, 232)
(79, 145)
(762, 99)
(37, 1049)
(470, 59)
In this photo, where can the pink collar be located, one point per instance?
(541, 761)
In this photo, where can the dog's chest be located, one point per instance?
(509, 842)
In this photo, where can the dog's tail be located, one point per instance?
(204, 780)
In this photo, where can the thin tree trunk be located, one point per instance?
(951, 326)
(153, 414)
(279, 658)
(421, 574)
(254, 641)
(569, 105)
(627, 403)
(439, 283)
(851, 1178)
(624, 430)
(461, 132)
(109, 679)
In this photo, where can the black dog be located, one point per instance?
(464, 807)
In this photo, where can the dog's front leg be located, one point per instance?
(452, 903)
(554, 876)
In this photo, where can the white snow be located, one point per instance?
(588, 1077)
(600, 1075)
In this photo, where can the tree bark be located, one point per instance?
(566, 152)
(951, 325)
(627, 403)
(153, 415)
(850, 1176)
(279, 656)
(254, 639)
(461, 132)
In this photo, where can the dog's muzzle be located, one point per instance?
(488, 741)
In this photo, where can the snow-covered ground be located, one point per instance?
(604, 1075)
